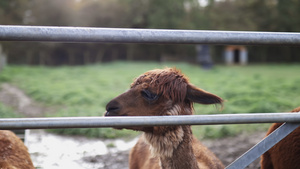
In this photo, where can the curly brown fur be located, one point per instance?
(13, 153)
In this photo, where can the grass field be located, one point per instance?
(6, 112)
(85, 90)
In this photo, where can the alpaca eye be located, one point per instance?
(149, 95)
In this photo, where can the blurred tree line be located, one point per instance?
(250, 15)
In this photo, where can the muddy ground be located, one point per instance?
(227, 149)
(51, 151)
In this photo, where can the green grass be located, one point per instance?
(85, 90)
(6, 112)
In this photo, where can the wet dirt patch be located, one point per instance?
(51, 151)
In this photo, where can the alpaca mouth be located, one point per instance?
(111, 114)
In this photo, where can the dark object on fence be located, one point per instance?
(119, 35)
(203, 56)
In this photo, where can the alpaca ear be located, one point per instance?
(197, 95)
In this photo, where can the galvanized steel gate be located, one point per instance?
(116, 35)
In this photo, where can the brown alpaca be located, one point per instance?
(165, 92)
(286, 153)
(13, 153)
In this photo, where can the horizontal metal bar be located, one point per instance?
(162, 36)
(95, 122)
(263, 146)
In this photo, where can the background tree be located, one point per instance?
(250, 15)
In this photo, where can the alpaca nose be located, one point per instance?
(112, 108)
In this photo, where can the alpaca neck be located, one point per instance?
(173, 147)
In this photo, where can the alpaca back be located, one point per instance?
(286, 153)
(13, 152)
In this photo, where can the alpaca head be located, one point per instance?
(159, 92)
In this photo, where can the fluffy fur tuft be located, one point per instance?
(169, 82)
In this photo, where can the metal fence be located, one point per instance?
(117, 35)
(95, 122)
(114, 35)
